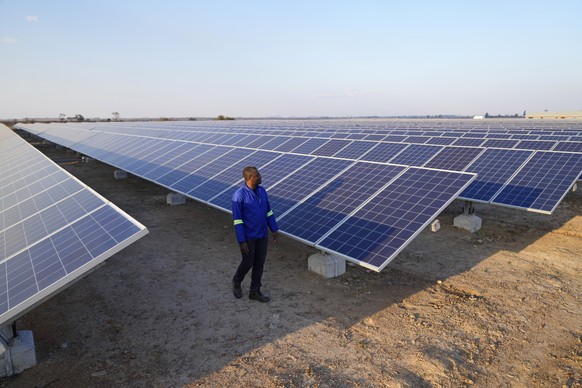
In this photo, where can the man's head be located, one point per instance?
(252, 176)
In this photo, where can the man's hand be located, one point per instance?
(275, 236)
(244, 248)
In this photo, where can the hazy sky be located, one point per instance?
(288, 58)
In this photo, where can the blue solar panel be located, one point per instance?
(317, 215)
(180, 167)
(271, 173)
(53, 228)
(303, 182)
(415, 155)
(309, 146)
(543, 182)
(331, 147)
(355, 150)
(468, 142)
(222, 176)
(454, 158)
(571, 146)
(209, 165)
(535, 145)
(383, 152)
(496, 143)
(379, 230)
(493, 168)
(291, 144)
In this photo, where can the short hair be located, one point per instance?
(248, 171)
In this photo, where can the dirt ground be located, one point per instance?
(500, 307)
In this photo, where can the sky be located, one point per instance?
(270, 58)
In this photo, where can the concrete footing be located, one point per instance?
(175, 199)
(470, 222)
(326, 265)
(87, 159)
(18, 354)
(120, 174)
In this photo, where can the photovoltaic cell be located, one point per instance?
(380, 229)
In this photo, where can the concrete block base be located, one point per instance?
(175, 199)
(87, 159)
(119, 174)
(328, 266)
(470, 222)
(19, 355)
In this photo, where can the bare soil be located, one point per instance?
(500, 307)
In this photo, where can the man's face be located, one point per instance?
(255, 179)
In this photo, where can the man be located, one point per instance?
(252, 216)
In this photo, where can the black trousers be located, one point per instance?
(255, 259)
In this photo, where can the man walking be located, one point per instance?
(252, 216)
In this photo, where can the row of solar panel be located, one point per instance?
(416, 137)
(52, 227)
(571, 142)
(534, 180)
(325, 202)
(379, 127)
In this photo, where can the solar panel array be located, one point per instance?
(53, 228)
(208, 168)
(309, 168)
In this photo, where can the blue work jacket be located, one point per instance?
(252, 214)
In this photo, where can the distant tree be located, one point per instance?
(523, 113)
(79, 118)
(115, 116)
(62, 116)
(222, 117)
(486, 115)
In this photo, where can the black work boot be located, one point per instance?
(256, 295)
(236, 290)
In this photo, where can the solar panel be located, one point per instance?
(54, 228)
(454, 158)
(383, 152)
(493, 168)
(294, 188)
(415, 155)
(271, 173)
(543, 181)
(571, 146)
(381, 228)
(318, 214)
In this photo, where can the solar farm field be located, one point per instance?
(499, 307)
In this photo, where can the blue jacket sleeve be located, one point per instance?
(237, 215)
(271, 221)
